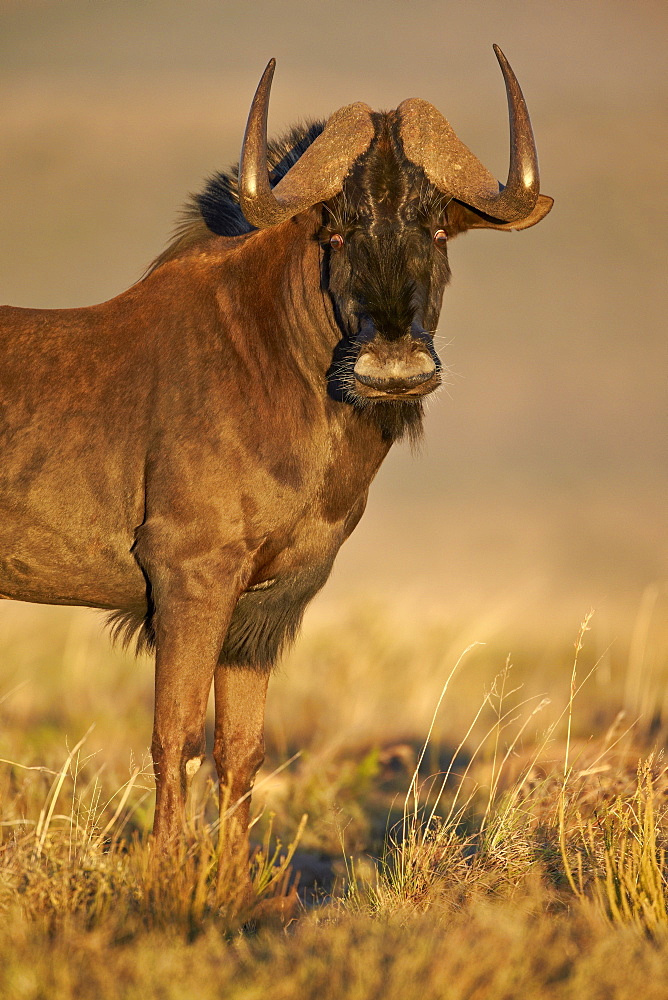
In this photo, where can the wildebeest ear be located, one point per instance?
(461, 217)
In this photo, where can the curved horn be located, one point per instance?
(430, 142)
(317, 175)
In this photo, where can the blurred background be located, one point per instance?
(541, 486)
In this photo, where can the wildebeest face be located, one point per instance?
(385, 268)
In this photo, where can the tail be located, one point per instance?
(133, 625)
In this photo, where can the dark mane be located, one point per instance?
(216, 212)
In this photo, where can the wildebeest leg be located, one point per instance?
(188, 643)
(194, 583)
(177, 747)
(238, 749)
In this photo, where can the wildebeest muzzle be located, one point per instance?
(397, 368)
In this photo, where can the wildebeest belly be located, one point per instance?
(67, 517)
(42, 564)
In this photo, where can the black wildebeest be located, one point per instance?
(191, 454)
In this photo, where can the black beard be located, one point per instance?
(396, 419)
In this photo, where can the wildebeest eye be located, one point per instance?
(336, 241)
(440, 237)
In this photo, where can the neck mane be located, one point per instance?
(215, 211)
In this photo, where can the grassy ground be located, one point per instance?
(465, 837)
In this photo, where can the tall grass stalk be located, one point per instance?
(429, 844)
(411, 823)
(628, 878)
(635, 884)
(579, 642)
(46, 815)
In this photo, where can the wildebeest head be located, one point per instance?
(386, 191)
(395, 187)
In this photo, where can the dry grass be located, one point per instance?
(487, 842)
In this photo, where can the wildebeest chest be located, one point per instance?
(278, 508)
(275, 500)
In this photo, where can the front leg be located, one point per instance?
(194, 599)
(187, 643)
